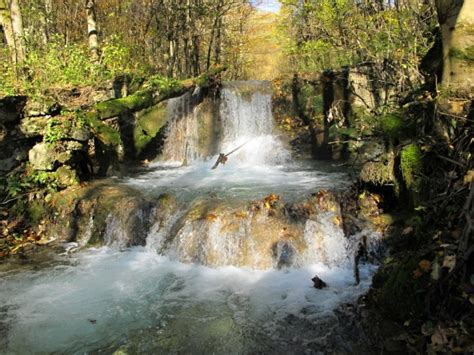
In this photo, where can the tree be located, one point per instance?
(12, 23)
(92, 30)
(456, 19)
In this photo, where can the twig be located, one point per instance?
(451, 161)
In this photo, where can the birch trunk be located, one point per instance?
(6, 23)
(12, 23)
(456, 19)
(92, 30)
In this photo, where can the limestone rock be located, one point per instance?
(80, 134)
(102, 214)
(42, 157)
(33, 126)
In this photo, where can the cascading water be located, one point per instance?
(246, 113)
(223, 270)
(182, 130)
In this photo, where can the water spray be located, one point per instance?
(222, 159)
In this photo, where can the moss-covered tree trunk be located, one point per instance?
(456, 18)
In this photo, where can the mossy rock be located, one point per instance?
(102, 214)
(392, 125)
(208, 129)
(411, 164)
(148, 124)
(106, 134)
(401, 294)
(380, 172)
(205, 80)
(65, 176)
(135, 102)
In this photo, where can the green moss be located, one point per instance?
(466, 54)
(392, 125)
(399, 295)
(149, 123)
(135, 102)
(36, 211)
(411, 166)
(65, 176)
(105, 133)
(205, 80)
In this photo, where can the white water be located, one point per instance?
(261, 166)
(247, 120)
(140, 302)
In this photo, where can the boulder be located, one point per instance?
(81, 134)
(42, 157)
(45, 156)
(33, 126)
(104, 213)
(318, 283)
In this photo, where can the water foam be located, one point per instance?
(141, 302)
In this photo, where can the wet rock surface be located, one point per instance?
(102, 214)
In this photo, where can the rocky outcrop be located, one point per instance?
(91, 132)
(14, 144)
(263, 234)
(338, 106)
(102, 214)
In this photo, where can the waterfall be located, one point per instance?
(182, 130)
(244, 119)
(214, 224)
(246, 113)
(229, 254)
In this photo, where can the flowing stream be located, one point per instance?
(200, 285)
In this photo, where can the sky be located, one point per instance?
(268, 5)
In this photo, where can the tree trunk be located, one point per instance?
(456, 19)
(92, 30)
(12, 23)
(17, 25)
(217, 47)
(45, 18)
(6, 23)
